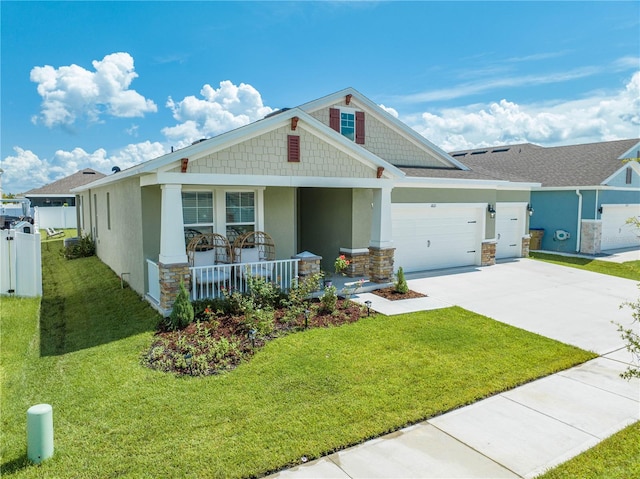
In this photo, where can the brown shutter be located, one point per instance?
(293, 148)
(334, 119)
(360, 127)
(629, 176)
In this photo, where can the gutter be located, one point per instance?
(579, 221)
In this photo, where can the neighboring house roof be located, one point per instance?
(560, 166)
(64, 186)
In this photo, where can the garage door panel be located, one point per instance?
(427, 237)
(510, 227)
(616, 233)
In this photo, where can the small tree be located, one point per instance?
(401, 283)
(182, 313)
(632, 338)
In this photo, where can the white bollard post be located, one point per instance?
(39, 432)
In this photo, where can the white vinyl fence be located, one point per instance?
(20, 263)
(56, 217)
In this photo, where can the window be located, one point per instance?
(629, 175)
(349, 122)
(108, 212)
(240, 213)
(197, 213)
(348, 125)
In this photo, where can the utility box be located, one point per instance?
(536, 238)
(39, 433)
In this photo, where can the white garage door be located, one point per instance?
(439, 235)
(615, 232)
(510, 228)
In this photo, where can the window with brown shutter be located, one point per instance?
(293, 149)
(360, 127)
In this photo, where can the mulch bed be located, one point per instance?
(391, 294)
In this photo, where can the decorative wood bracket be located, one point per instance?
(348, 98)
(380, 171)
(294, 123)
(184, 164)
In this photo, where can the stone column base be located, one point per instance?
(488, 253)
(590, 236)
(526, 241)
(308, 264)
(358, 262)
(170, 277)
(381, 264)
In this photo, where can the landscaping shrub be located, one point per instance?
(85, 247)
(329, 299)
(182, 313)
(401, 283)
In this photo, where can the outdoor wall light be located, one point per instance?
(368, 305)
(491, 210)
(600, 210)
(529, 209)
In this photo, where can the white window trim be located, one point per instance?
(196, 225)
(221, 207)
(350, 111)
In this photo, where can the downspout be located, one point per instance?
(595, 206)
(579, 220)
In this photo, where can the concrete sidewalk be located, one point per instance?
(522, 432)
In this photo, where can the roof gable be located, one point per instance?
(398, 137)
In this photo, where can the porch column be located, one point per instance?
(381, 248)
(173, 264)
(172, 247)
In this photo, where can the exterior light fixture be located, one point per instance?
(252, 337)
(189, 360)
(306, 318)
(491, 210)
(529, 209)
(600, 210)
(368, 305)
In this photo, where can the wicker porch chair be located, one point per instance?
(210, 249)
(255, 247)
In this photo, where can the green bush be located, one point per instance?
(329, 299)
(401, 283)
(298, 299)
(182, 313)
(83, 248)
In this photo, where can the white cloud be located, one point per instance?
(600, 117)
(219, 110)
(71, 92)
(25, 170)
(392, 111)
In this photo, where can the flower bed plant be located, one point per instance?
(226, 331)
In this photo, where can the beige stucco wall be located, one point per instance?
(362, 210)
(119, 245)
(385, 142)
(280, 219)
(267, 155)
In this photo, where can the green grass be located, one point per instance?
(617, 457)
(306, 394)
(628, 270)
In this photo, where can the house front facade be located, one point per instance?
(338, 175)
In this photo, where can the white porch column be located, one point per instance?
(381, 219)
(172, 246)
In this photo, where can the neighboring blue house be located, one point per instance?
(587, 192)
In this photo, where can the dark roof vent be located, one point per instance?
(116, 169)
(88, 172)
(479, 152)
(499, 150)
(199, 141)
(455, 155)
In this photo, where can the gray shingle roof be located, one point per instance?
(64, 185)
(575, 165)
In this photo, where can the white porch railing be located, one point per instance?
(211, 281)
(153, 274)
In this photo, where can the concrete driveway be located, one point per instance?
(522, 432)
(567, 304)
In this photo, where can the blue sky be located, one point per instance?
(99, 84)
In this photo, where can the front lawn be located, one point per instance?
(305, 394)
(617, 457)
(628, 270)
